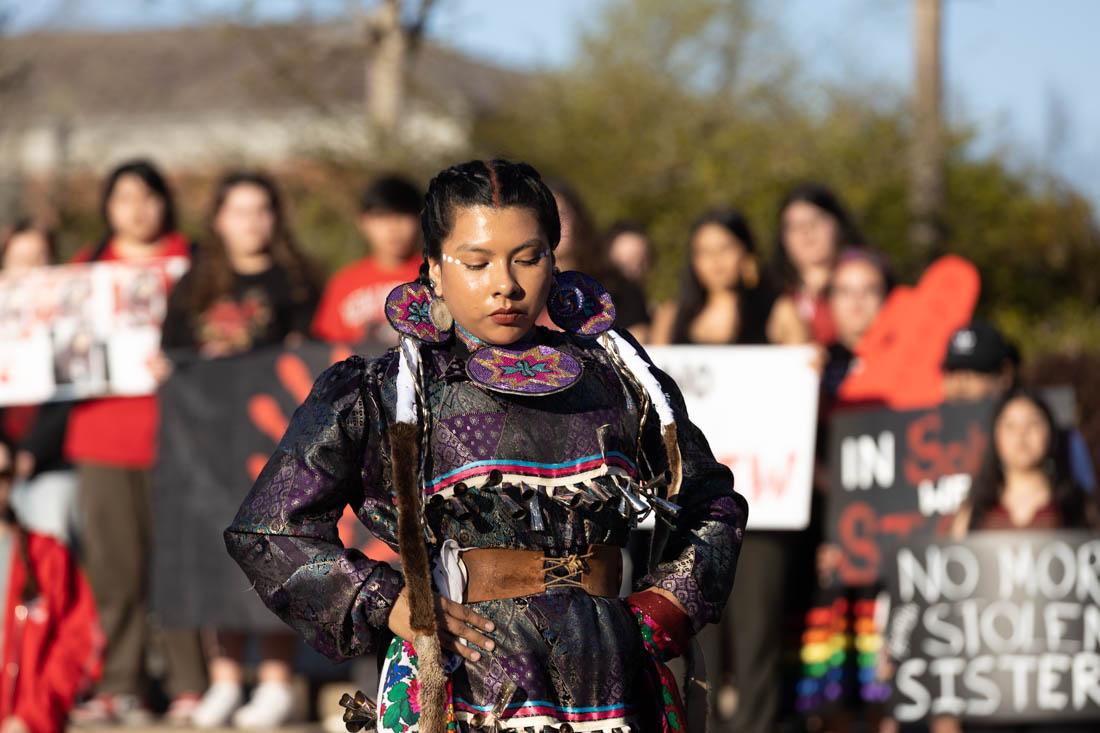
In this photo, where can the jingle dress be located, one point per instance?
(562, 656)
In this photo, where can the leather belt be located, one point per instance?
(493, 574)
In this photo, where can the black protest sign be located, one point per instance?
(220, 421)
(898, 476)
(1002, 627)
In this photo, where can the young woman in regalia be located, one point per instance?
(507, 463)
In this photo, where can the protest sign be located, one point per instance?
(898, 476)
(1002, 627)
(76, 331)
(221, 419)
(757, 407)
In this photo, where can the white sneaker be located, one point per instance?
(217, 706)
(271, 706)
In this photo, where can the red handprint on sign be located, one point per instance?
(268, 416)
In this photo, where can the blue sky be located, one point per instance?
(1023, 72)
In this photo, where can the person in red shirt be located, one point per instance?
(50, 640)
(112, 443)
(352, 307)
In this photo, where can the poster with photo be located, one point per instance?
(76, 331)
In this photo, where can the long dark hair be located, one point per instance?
(152, 178)
(213, 275)
(753, 303)
(589, 249)
(848, 235)
(496, 183)
(1066, 495)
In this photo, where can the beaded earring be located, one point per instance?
(579, 304)
(414, 310)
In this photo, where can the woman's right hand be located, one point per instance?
(160, 366)
(829, 557)
(455, 622)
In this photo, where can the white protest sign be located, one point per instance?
(757, 407)
(76, 331)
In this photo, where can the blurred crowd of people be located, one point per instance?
(76, 479)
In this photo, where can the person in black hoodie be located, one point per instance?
(250, 287)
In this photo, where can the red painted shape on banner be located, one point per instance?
(264, 410)
(354, 534)
(268, 416)
(858, 529)
(901, 525)
(930, 458)
(902, 352)
(766, 478)
(256, 463)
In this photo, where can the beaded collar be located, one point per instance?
(521, 368)
(577, 304)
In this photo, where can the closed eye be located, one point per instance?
(533, 259)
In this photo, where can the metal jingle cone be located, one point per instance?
(656, 485)
(359, 712)
(635, 501)
(458, 508)
(666, 510)
(560, 494)
(589, 502)
(534, 507)
(600, 491)
(513, 507)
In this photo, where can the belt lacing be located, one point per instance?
(574, 565)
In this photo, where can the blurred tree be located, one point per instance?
(391, 40)
(13, 75)
(670, 108)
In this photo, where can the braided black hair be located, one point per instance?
(496, 183)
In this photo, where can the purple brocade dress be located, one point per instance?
(570, 658)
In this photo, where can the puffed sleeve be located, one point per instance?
(285, 537)
(700, 556)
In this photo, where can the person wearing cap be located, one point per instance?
(980, 364)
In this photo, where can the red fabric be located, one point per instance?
(670, 620)
(54, 642)
(354, 299)
(666, 633)
(17, 421)
(118, 431)
(814, 311)
(1047, 517)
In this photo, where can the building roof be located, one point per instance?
(227, 68)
